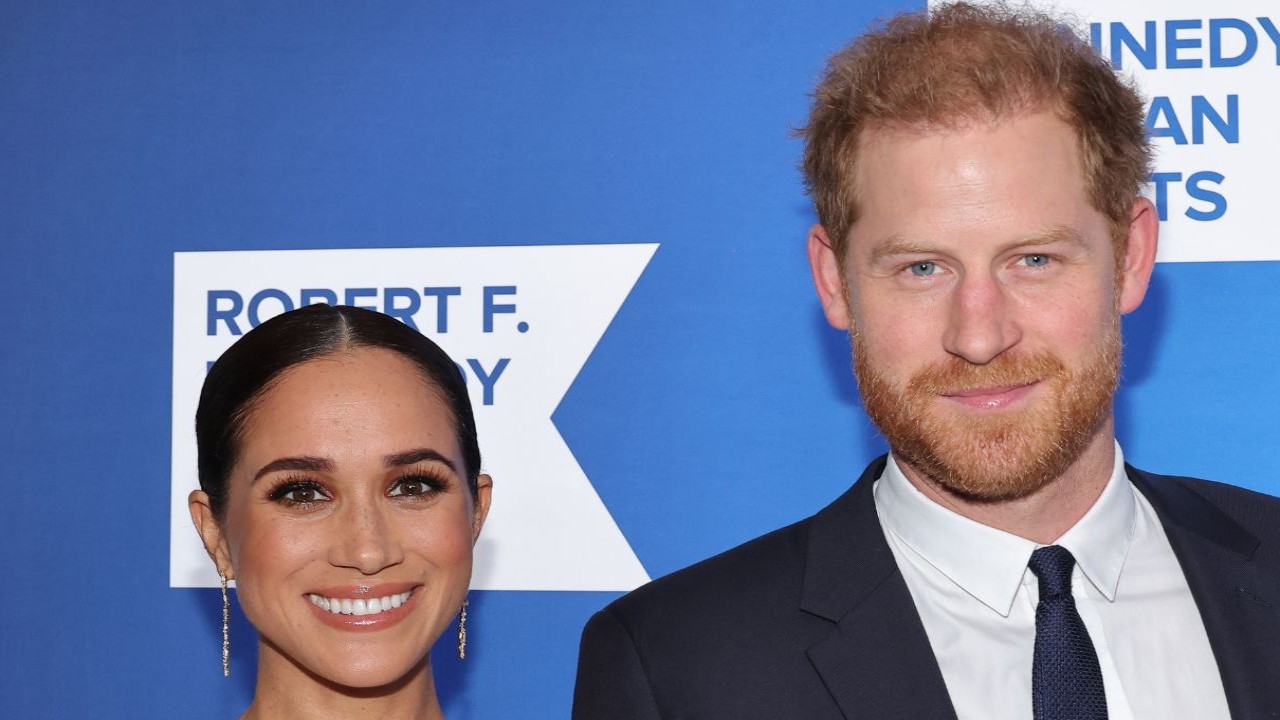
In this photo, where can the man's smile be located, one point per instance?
(991, 398)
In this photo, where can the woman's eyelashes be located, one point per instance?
(298, 491)
(419, 484)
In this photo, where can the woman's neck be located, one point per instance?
(286, 691)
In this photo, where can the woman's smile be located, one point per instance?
(363, 609)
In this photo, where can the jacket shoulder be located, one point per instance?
(725, 637)
(1214, 489)
(1255, 512)
(763, 569)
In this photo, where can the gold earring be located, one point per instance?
(226, 630)
(462, 631)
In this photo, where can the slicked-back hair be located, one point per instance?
(244, 373)
(960, 64)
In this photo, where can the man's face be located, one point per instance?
(983, 294)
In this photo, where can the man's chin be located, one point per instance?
(984, 475)
(1029, 419)
(993, 457)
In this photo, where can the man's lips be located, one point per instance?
(991, 398)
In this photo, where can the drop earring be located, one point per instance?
(226, 629)
(462, 630)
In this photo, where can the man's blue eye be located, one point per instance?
(1037, 260)
(923, 269)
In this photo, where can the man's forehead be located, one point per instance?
(880, 131)
(987, 185)
(945, 166)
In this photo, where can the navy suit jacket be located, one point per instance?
(815, 621)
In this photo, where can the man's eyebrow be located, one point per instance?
(1056, 233)
(311, 464)
(897, 245)
(411, 457)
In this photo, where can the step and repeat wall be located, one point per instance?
(595, 209)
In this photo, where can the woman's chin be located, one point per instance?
(372, 679)
(362, 670)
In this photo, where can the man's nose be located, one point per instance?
(981, 325)
(367, 540)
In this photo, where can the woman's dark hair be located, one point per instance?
(252, 365)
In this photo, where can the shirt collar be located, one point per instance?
(1100, 540)
(989, 564)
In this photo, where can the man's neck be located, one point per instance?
(1046, 514)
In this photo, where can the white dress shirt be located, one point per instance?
(977, 600)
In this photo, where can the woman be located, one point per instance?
(340, 489)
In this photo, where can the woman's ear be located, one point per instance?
(215, 542)
(484, 492)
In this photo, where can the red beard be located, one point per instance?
(999, 455)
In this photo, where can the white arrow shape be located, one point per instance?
(546, 307)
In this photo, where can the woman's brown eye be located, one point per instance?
(299, 493)
(413, 487)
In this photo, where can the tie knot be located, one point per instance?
(1053, 565)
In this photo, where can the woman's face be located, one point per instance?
(349, 524)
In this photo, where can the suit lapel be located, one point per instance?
(877, 662)
(1235, 585)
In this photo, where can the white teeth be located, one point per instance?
(361, 606)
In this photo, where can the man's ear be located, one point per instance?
(484, 493)
(827, 278)
(215, 542)
(1139, 254)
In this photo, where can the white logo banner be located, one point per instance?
(519, 321)
(1209, 74)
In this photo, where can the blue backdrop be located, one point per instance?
(717, 406)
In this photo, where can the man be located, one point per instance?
(977, 175)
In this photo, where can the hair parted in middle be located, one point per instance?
(236, 383)
(959, 64)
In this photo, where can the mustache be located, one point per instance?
(955, 375)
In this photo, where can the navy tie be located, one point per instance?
(1066, 682)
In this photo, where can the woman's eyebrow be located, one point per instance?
(411, 457)
(312, 464)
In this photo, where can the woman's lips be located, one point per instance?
(363, 608)
(358, 606)
(991, 398)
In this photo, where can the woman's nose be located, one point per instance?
(367, 540)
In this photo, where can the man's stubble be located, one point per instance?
(992, 456)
